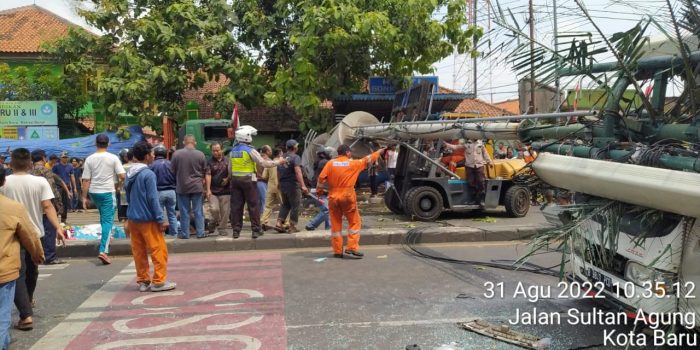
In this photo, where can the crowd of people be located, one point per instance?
(159, 194)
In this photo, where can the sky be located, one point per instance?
(495, 79)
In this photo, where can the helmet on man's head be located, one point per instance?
(328, 152)
(123, 153)
(245, 133)
(160, 151)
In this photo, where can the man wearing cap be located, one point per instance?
(291, 185)
(65, 171)
(476, 157)
(99, 172)
(243, 180)
(341, 175)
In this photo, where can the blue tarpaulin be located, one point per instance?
(79, 147)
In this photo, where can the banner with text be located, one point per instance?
(28, 113)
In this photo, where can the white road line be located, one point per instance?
(385, 323)
(44, 276)
(61, 335)
(53, 267)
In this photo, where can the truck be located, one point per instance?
(205, 132)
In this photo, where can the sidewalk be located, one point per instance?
(380, 227)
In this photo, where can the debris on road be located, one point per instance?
(486, 219)
(321, 259)
(464, 296)
(450, 346)
(382, 256)
(505, 334)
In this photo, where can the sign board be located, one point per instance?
(32, 133)
(384, 85)
(28, 113)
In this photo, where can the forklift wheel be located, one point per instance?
(424, 203)
(517, 201)
(392, 201)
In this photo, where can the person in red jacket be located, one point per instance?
(341, 174)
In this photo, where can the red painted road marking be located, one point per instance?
(234, 302)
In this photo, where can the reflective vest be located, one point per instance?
(241, 162)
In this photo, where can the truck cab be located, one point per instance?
(206, 131)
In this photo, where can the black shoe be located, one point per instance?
(310, 228)
(339, 256)
(236, 235)
(354, 254)
(55, 262)
(257, 234)
(265, 227)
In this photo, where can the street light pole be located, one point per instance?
(532, 59)
(557, 87)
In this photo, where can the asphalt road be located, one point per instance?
(299, 300)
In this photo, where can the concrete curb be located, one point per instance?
(313, 239)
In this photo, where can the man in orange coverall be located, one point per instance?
(452, 161)
(341, 174)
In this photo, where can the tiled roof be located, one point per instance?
(24, 29)
(475, 105)
(512, 106)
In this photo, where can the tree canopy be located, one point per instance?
(295, 53)
(40, 83)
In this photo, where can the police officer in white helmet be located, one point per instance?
(243, 180)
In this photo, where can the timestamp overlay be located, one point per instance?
(622, 314)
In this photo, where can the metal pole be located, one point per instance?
(435, 162)
(486, 119)
(474, 58)
(532, 59)
(454, 68)
(557, 97)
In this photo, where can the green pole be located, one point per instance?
(665, 160)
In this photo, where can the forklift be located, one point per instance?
(424, 188)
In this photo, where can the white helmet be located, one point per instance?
(330, 151)
(245, 133)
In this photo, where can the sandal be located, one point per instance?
(279, 229)
(24, 326)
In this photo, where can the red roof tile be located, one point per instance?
(480, 107)
(24, 29)
(512, 106)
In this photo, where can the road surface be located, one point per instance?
(299, 299)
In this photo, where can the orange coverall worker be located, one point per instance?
(341, 174)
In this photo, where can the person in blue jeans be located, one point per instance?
(322, 216)
(324, 155)
(166, 187)
(99, 172)
(18, 237)
(189, 166)
(266, 153)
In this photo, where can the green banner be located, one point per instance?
(28, 113)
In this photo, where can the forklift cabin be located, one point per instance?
(424, 188)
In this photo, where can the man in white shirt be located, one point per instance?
(35, 194)
(99, 172)
(392, 156)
